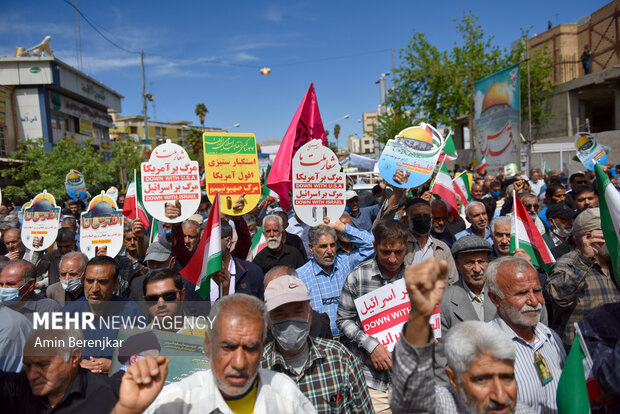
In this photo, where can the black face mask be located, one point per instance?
(421, 224)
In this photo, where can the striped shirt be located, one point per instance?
(324, 289)
(331, 378)
(532, 393)
(364, 279)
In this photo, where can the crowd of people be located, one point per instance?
(282, 331)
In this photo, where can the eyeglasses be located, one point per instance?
(167, 296)
(529, 206)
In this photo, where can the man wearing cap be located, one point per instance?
(362, 217)
(157, 257)
(561, 219)
(466, 300)
(135, 348)
(581, 280)
(325, 371)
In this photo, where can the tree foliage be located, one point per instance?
(201, 111)
(438, 85)
(391, 123)
(38, 170)
(336, 131)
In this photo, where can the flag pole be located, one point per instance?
(135, 187)
(516, 217)
(220, 283)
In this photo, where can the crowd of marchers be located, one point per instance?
(280, 327)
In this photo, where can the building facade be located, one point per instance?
(43, 97)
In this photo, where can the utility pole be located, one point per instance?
(529, 107)
(381, 82)
(146, 123)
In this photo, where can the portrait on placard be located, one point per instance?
(170, 177)
(231, 167)
(40, 225)
(319, 185)
(590, 151)
(101, 227)
(415, 151)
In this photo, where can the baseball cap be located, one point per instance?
(562, 211)
(586, 221)
(157, 252)
(350, 194)
(283, 290)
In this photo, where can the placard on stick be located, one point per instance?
(318, 184)
(231, 167)
(167, 177)
(101, 226)
(41, 218)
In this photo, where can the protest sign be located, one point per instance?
(167, 177)
(415, 151)
(384, 311)
(112, 193)
(184, 351)
(75, 185)
(588, 149)
(231, 167)
(510, 170)
(101, 226)
(318, 184)
(41, 218)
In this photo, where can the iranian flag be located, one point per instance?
(448, 152)
(609, 204)
(524, 235)
(483, 165)
(442, 187)
(258, 242)
(133, 207)
(462, 186)
(208, 256)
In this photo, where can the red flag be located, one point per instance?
(305, 126)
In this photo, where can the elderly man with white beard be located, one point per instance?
(277, 253)
(514, 289)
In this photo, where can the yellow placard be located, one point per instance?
(86, 127)
(231, 167)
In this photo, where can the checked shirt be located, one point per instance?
(332, 378)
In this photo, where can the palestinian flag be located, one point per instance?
(133, 207)
(208, 256)
(524, 235)
(448, 152)
(442, 188)
(462, 186)
(609, 204)
(258, 242)
(572, 392)
(482, 166)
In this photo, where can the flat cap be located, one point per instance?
(157, 252)
(471, 243)
(562, 211)
(586, 221)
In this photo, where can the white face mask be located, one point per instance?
(71, 285)
(560, 231)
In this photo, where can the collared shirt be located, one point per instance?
(14, 331)
(36, 304)
(364, 279)
(287, 256)
(198, 394)
(215, 289)
(366, 217)
(532, 392)
(575, 287)
(331, 378)
(324, 289)
(421, 254)
(91, 393)
(477, 301)
(467, 232)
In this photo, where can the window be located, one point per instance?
(133, 129)
(158, 131)
(180, 133)
(2, 142)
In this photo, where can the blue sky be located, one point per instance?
(342, 47)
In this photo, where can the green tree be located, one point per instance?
(336, 131)
(391, 123)
(40, 171)
(201, 111)
(128, 155)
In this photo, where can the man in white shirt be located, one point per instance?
(234, 383)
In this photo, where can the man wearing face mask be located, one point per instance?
(17, 281)
(581, 280)
(421, 245)
(325, 371)
(69, 288)
(561, 219)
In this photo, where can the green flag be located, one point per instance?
(572, 393)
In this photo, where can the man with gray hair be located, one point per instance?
(53, 380)
(514, 289)
(69, 287)
(17, 280)
(476, 214)
(325, 273)
(235, 383)
(480, 359)
(277, 251)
